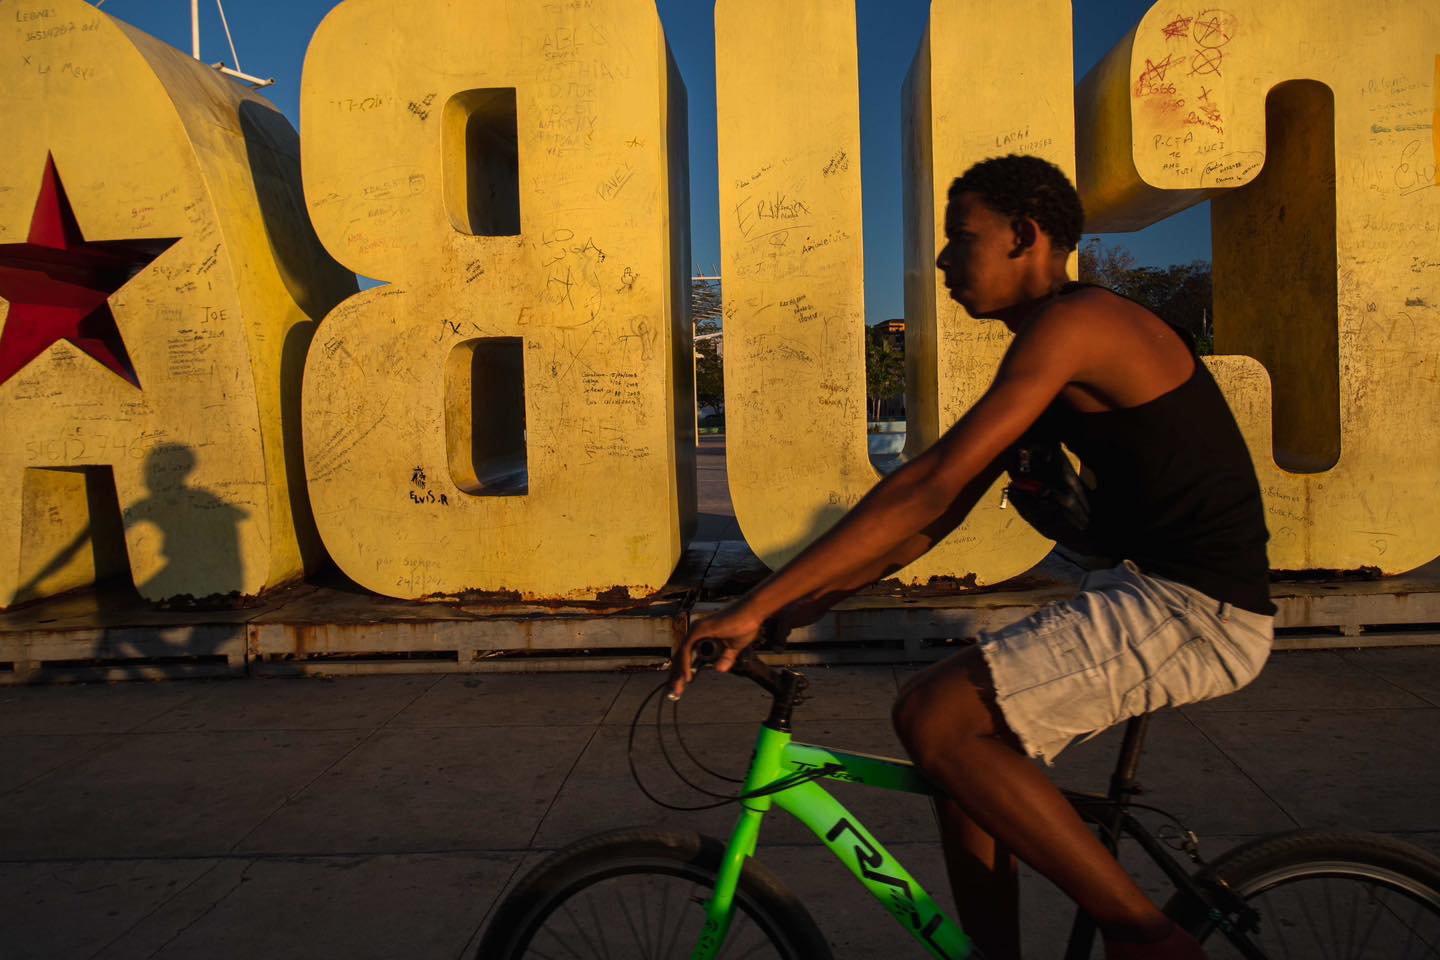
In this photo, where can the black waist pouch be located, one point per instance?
(1049, 494)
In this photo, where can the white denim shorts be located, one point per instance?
(1126, 645)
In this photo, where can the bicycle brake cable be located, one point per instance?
(778, 786)
(635, 773)
(675, 723)
(664, 752)
(1083, 800)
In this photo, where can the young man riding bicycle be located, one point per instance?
(1185, 614)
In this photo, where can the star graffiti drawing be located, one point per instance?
(58, 285)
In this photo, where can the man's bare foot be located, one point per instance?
(1178, 945)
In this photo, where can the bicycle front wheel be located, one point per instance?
(1346, 896)
(640, 894)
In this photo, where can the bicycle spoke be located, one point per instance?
(753, 951)
(1329, 912)
(1341, 916)
(1310, 924)
(570, 915)
(1430, 948)
(645, 927)
(733, 937)
(1409, 940)
(1383, 906)
(660, 923)
(630, 922)
(1278, 925)
(1375, 917)
(556, 939)
(680, 917)
(595, 919)
(1353, 925)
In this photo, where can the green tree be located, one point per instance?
(1108, 266)
(706, 308)
(884, 372)
(709, 374)
(1180, 294)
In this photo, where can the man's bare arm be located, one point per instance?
(812, 607)
(887, 523)
(916, 496)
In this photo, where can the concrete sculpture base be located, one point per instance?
(334, 627)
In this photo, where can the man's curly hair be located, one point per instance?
(1025, 186)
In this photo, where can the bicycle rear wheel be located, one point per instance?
(1324, 894)
(640, 894)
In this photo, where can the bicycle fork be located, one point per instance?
(719, 909)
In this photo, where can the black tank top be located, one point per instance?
(1175, 488)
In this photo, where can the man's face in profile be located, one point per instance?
(979, 263)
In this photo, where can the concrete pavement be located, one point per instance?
(381, 817)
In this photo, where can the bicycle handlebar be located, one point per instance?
(783, 684)
(707, 652)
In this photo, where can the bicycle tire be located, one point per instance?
(1324, 894)
(546, 901)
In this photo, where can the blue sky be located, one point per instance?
(271, 37)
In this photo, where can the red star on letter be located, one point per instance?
(58, 285)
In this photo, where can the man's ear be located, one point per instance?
(1026, 233)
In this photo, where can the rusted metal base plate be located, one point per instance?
(74, 638)
(331, 626)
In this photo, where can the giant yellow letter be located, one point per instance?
(156, 270)
(1311, 125)
(790, 232)
(513, 410)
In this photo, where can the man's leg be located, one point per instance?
(953, 728)
(985, 879)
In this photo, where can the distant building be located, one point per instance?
(892, 330)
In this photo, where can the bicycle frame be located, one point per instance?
(786, 774)
(777, 757)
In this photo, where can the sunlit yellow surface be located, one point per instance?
(1311, 126)
(150, 144)
(424, 124)
(989, 79)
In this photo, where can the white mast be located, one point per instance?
(220, 65)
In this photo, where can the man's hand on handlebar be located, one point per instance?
(726, 634)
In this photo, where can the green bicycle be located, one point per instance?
(652, 894)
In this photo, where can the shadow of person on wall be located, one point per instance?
(202, 568)
(199, 533)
